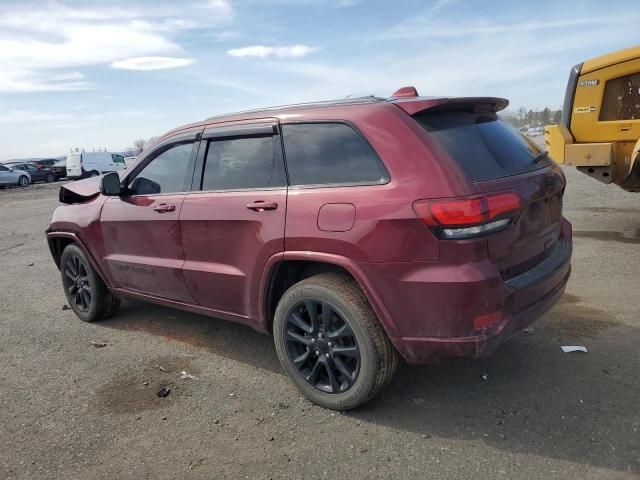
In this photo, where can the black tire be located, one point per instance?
(86, 293)
(377, 359)
(23, 181)
(94, 173)
(50, 177)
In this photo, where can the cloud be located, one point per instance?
(262, 51)
(43, 46)
(151, 63)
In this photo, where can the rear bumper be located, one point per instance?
(432, 307)
(423, 350)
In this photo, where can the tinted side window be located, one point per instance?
(117, 158)
(169, 172)
(3, 169)
(330, 153)
(250, 162)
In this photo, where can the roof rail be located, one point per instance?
(322, 103)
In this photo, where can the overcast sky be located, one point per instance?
(101, 74)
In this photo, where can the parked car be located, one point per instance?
(37, 174)
(356, 232)
(10, 176)
(56, 166)
(92, 164)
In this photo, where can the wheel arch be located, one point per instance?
(283, 270)
(58, 241)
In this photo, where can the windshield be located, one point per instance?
(485, 146)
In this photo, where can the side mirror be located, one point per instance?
(110, 185)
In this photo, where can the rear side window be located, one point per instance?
(3, 169)
(239, 163)
(482, 144)
(169, 172)
(117, 158)
(329, 154)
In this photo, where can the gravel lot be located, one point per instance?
(71, 410)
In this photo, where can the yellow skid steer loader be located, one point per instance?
(600, 128)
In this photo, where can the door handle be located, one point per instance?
(164, 208)
(259, 206)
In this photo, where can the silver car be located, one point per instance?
(9, 176)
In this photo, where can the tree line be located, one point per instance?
(527, 118)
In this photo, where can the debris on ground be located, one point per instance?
(484, 376)
(573, 348)
(196, 463)
(30, 264)
(98, 344)
(164, 391)
(65, 307)
(528, 330)
(186, 375)
(162, 369)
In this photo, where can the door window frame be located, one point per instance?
(215, 133)
(192, 137)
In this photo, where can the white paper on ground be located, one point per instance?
(573, 348)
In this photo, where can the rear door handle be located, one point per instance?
(260, 206)
(164, 208)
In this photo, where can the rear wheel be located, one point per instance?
(330, 342)
(86, 293)
(94, 173)
(23, 181)
(50, 177)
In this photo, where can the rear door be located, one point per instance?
(233, 221)
(143, 244)
(497, 158)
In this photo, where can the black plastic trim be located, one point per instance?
(569, 95)
(559, 257)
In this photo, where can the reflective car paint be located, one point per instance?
(214, 256)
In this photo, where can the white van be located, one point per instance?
(92, 164)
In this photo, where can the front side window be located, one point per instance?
(330, 153)
(169, 172)
(240, 163)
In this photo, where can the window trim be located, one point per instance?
(385, 181)
(214, 134)
(192, 137)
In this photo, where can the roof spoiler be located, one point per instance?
(471, 104)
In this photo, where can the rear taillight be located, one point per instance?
(468, 217)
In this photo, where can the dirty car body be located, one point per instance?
(455, 248)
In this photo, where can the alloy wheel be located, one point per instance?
(78, 283)
(322, 346)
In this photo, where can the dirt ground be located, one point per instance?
(71, 410)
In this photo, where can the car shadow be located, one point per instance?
(529, 397)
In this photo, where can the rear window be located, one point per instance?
(482, 144)
(330, 154)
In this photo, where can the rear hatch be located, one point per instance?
(497, 158)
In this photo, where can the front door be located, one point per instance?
(235, 222)
(143, 245)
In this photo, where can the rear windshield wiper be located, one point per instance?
(541, 156)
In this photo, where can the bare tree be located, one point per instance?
(138, 146)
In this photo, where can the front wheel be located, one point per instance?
(86, 293)
(94, 173)
(330, 342)
(23, 181)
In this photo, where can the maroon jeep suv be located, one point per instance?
(356, 232)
